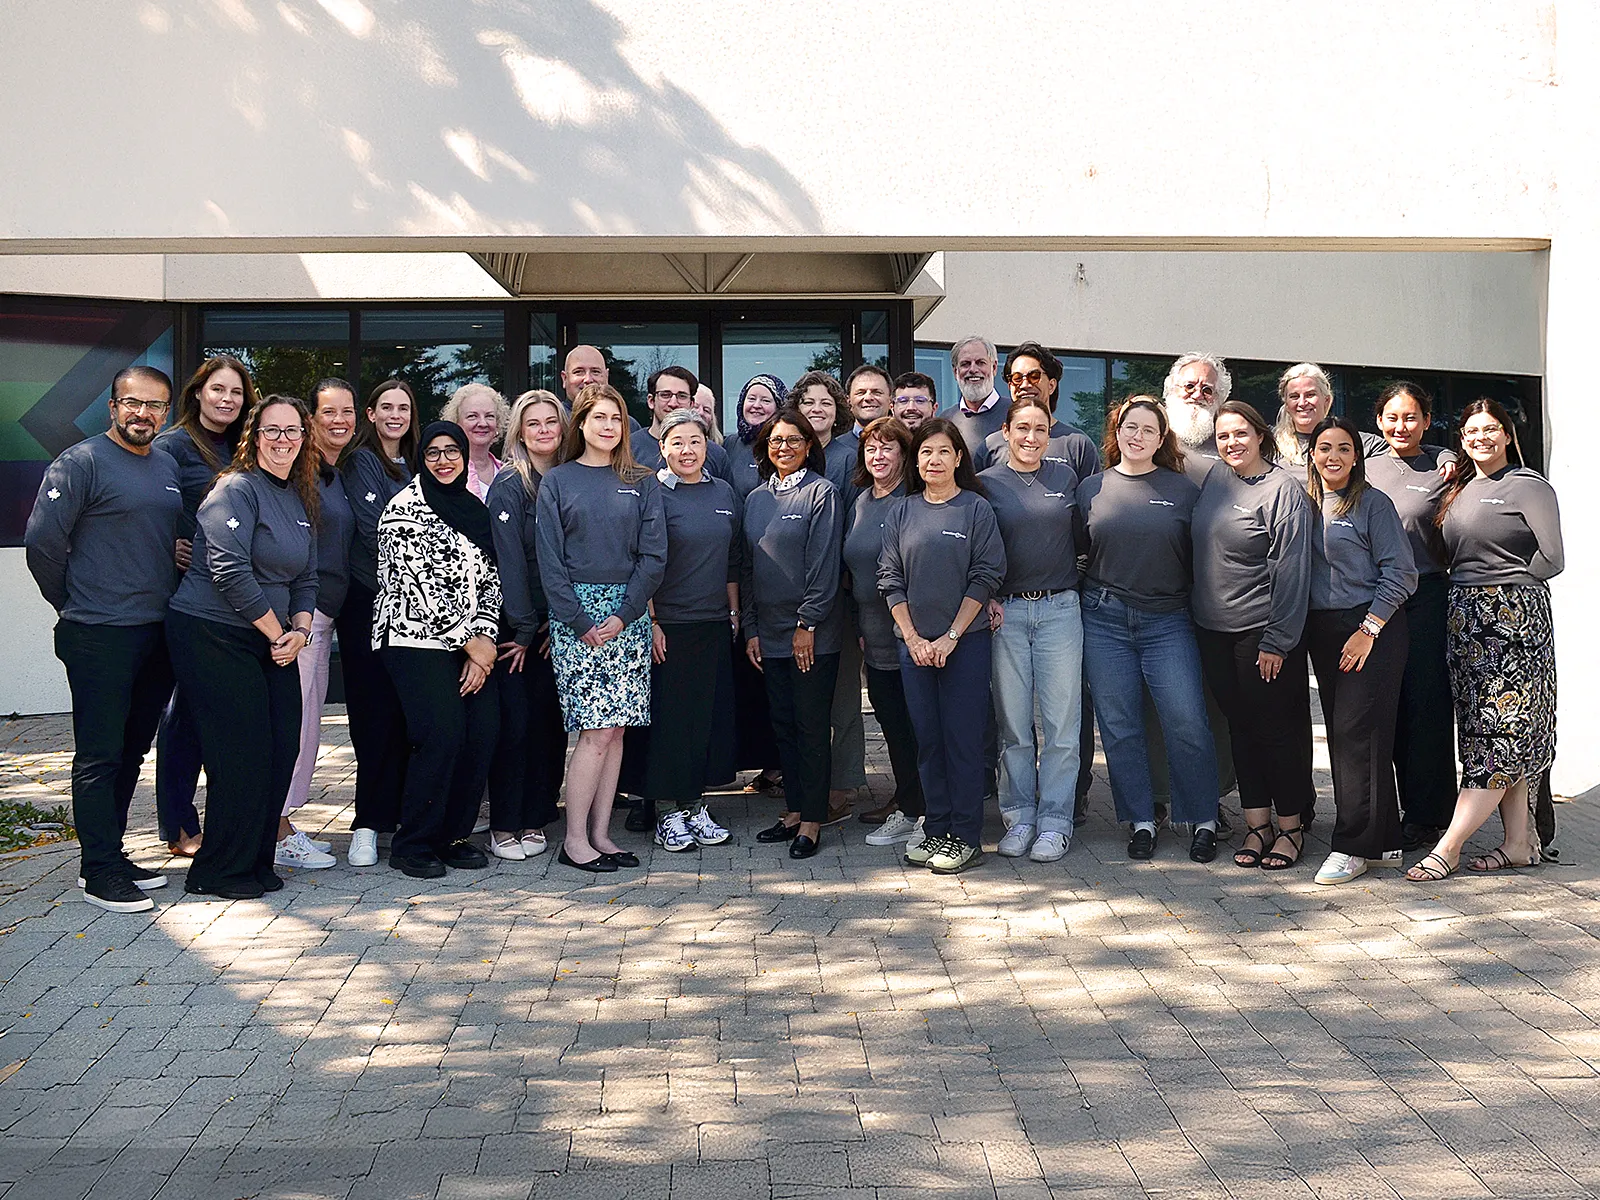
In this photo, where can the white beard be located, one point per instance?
(974, 393)
(1193, 423)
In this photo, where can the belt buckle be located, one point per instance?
(1039, 595)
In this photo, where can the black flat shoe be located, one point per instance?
(1204, 847)
(463, 856)
(1142, 844)
(598, 866)
(641, 819)
(779, 833)
(269, 881)
(621, 858)
(418, 866)
(803, 846)
(232, 891)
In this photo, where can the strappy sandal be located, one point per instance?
(1426, 872)
(1273, 861)
(1496, 860)
(1244, 856)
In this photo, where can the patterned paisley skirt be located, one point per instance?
(609, 687)
(1502, 658)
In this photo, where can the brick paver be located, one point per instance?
(728, 1023)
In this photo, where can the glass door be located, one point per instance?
(634, 350)
(787, 349)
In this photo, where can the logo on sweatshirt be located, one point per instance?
(371, 496)
(1411, 487)
(1341, 521)
(1055, 496)
(792, 517)
(626, 492)
(723, 512)
(1490, 500)
(504, 515)
(303, 524)
(54, 493)
(954, 534)
(1241, 508)
(1164, 503)
(170, 488)
(233, 522)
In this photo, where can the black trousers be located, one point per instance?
(1425, 725)
(120, 679)
(683, 696)
(452, 741)
(887, 691)
(530, 758)
(177, 770)
(755, 745)
(247, 709)
(1359, 707)
(800, 703)
(1269, 724)
(377, 722)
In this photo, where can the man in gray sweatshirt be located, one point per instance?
(100, 546)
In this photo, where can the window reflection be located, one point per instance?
(435, 351)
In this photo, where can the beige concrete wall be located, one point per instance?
(1434, 311)
(152, 123)
(31, 678)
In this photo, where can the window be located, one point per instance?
(787, 349)
(435, 351)
(287, 350)
(636, 350)
(543, 369)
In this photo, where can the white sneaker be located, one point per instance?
(316, 843)
(918, 835)
(705, 829)
(1342, 868)
(533, 843)
(672, 833)
(363, 848)
(898, 828)
(1050, 847)
(1016, 841)
(511, 848)
(296, 850)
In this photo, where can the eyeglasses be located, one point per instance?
(795, 440)
(154, 407)
(1487, 434)
(1206, 389)
(1129, 429)
(1018, 378)
(282, 433)
(672, 395)
(442, 453)
(918, 401)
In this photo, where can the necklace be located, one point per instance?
(1028, 478)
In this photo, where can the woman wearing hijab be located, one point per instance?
(434, 624)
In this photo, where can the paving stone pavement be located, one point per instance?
(727, 1023)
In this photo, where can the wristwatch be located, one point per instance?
(803, 625)
(309, 636)
(954, 635)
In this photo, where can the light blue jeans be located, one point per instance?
(1126, 650)
(1038, 659)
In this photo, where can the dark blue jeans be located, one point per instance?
(1126, 650)
(948, 706)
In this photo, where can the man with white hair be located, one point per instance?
(979, 412)
(1195, 385)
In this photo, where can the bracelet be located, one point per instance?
(1371, 627)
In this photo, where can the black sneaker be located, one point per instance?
(641, 817)
(116, 893)
(463, 856)
(145, 881)
(270, 881)
(418, 866)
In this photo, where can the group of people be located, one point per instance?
(691, 606)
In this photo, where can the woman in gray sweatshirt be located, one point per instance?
(237, 622)
(1502, 535)
(1252, 580)
(1361, 574)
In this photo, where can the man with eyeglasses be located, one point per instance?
(979, 412)
(915, 399)
(670, 389)
(1195, 385)
(1033, 373)
(99, 545)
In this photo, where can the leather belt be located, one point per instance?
(1034, 595)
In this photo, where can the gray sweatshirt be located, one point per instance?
(976, 427)
(99, 540)
(1066, 442)
(1414, 484)
(704, 523)
(863, 546)
(790, 567)
(1037, 513)
(369, 489)
(195, 475)
(839, 456)
(937, 555)
(743, 471)
(1252, 557)
(1362, 558)
(1198, 460)
(254, 552)
(1137, 531)
(512, 512)
(336, 532)
(595, 528)
(1504, 529)
(647, 453)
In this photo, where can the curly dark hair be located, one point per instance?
(304, 474)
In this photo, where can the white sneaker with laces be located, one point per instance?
(705, 829)
(672, 833)
(533, 843)
(1049, 847)
(898, 828)
(1016, 841)
(918, 835)
(509, 848)
(1341, 868)
(363, 848)
(316, 843)
(296, 850)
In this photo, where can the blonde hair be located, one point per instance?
(1283, 432)
(622, 460)
(477, 391)
(517, 453)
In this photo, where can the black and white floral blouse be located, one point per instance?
(436, 590)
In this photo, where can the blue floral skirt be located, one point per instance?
(609, 687)
(1502, 656)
